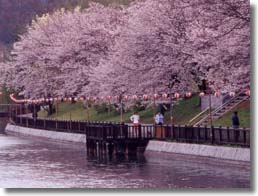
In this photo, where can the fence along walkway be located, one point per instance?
(6, 110)
(125, 133)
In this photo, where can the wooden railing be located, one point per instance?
(8, 110)
(119, 132)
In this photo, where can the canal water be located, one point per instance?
(34, 163)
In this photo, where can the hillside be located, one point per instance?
(243, 114)
(183, 111)
(15, 15)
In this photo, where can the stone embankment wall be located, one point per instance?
(221, 152)
(3, 123)
(54, 135)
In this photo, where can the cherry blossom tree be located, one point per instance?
(221, 38)
(56, 55)
(152, 47)
(204, 39)
(103, 51)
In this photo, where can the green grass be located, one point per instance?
(4, 98)
(243, 114)
(185, 110)
(182, 112)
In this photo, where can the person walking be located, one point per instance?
(135, 119)
(235, 120)
(159, 130)
(159, 119)
(235, 124)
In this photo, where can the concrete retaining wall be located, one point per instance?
(215, 102)
(24, 131)
(3, 123)
(227, 153)
(221, 152)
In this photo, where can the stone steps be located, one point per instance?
(224, 109)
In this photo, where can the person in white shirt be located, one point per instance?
(159, 119)
(135, 119)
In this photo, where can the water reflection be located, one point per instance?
(33, 163)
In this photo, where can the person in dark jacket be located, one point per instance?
(235, 120)
(235, 123)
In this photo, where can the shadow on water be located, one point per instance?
(117, 159)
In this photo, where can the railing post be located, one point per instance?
(186, 133)
(16, 112)
(244, 135)
(105, 134)
(102, 131)
(126, 131)
(163, 132)
(67, 126)
(172, 131)
(212, 135)
(236, 133)
(140, 131)
(44, 123)
(143, 131)
(192, 133)
(220, 134)
(21, 113)
(155, 131)
(112, 131)
(122, 131)
(9, 112)
(89, 132)
(198, 133)
(228, 135)
(56, 124)
(205, 133)
(34, 122)
(179, 133)
(168, 131)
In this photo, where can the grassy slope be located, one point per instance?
(183, 112)
(4, 98)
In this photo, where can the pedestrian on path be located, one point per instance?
(235, 123)
(235, 120)
(159, 119)
(135, 119)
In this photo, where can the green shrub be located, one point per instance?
(138, 106)
(102, 108)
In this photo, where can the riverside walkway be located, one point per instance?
(114, 137)
(110, 137)
(5, 110)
